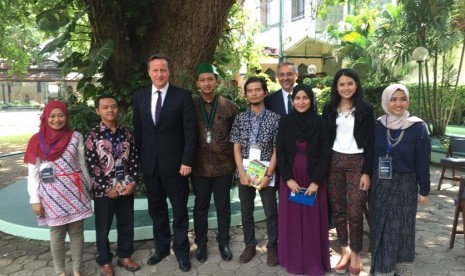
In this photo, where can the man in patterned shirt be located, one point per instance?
(111, 160)
(254, 136)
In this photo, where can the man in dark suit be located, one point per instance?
(165, 131)
(280, 102)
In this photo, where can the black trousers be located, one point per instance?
(270, 206)
(203, 189)
(104, 210)
(176, 189)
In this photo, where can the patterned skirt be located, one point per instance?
(393, 207)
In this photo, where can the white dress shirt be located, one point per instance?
(163, 91)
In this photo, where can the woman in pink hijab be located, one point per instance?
(58, 184)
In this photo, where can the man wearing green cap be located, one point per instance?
(214, 163)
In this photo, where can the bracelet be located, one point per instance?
(270, 176)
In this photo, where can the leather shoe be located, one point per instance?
(201, 254)
(106, 270)
(157, 256)
(184, 264)
(128, 264)
(225, 252)
(247, 255)
(272, 257)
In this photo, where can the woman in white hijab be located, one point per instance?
(401, 172)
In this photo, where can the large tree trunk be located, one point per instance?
(188, 31)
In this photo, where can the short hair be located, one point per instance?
(256, 79)
(216, 76)
(104, 96)
(159, 56)
(288, 63)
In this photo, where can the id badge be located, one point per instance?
(46, 172)
(119, 172)
(209, 137)
(255, 153)
(385, 168)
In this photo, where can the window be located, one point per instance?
(269, 12)
(298, 9)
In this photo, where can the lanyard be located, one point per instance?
(44, 147)
(257, 133)
(208, 119)
(116, 146)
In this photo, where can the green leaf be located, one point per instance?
(103, 53)
(52, 20)
(97, 57)
(57, 43)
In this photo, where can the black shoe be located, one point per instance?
(157, 256)
(225, 252)
(201, 254)
(184, 264)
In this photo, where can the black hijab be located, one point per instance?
(303, 124)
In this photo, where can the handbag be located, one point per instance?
(301, 198)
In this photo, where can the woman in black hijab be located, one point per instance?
(303, 154)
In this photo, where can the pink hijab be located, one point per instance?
(395, 122)
(55, 140)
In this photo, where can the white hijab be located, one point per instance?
(390, 120)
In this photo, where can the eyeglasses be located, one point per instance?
(282, 75)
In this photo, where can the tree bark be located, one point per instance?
(188, 31)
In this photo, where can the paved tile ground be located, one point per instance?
(21, 257)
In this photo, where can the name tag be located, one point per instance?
(255, 153)
(385, 168)
(119, 172)
(46, 172)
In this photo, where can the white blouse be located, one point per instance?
(345, 140)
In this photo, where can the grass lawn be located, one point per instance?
(13, 143)
(455, 130)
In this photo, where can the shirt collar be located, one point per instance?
(260, 115)
(102, 127)
(163, 90)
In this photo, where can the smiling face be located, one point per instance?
(57, 119)
(346, 87)
(398, 103)
(287, 77)
(302, 102)
(159, 72)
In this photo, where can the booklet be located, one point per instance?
(256, 170)
(301, 198)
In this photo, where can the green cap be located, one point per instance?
(206, 67)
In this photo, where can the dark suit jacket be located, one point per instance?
(275, 103)
(173, 141)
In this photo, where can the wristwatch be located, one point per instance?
(270, 176)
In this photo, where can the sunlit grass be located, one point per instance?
(13, 143)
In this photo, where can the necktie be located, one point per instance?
(289, 104)
(158, 108)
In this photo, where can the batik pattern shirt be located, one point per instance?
(105, 150)
(264, 133)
